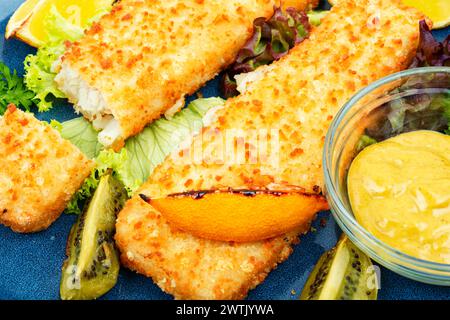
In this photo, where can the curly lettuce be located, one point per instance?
(39, 74)
(39, 77)
(140, 155)
(39, 67)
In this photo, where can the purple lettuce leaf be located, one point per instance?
(271, 40)
(430, 51)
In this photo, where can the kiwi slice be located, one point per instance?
(343, 273)
(92, 266)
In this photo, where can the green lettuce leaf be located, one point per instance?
(140, 155)
(446, 109)
(364, 142)
(89, 186)
(82, 134)
(59, 29)
(316, 17)
(148, 149)
(55, 124)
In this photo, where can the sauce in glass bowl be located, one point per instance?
(399, 190)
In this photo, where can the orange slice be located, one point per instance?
(28, 22)
(240, 216)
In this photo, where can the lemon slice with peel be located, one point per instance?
(19, 18)
(28, 22)
(437, 10)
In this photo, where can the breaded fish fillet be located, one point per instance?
(140, 60)
(192, 268)
(39, 172)
(298, 96)
(358, 42)
(144, 57)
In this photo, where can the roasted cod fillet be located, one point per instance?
(39, 172)
(358, 42)
(139, 61)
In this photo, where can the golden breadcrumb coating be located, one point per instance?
(298, 96)
(39, 172)
(358, 42)
(192, 268)
(146, 55)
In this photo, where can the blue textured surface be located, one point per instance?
(30, 264)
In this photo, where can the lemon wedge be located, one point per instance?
(437, 10)
(19, 17)
(28, 22)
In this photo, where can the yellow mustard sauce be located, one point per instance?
(399, 190)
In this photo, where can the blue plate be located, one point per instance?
(30, 265)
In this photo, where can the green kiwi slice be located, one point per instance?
(92, 266)
(343, 273)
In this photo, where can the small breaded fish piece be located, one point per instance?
(189, 267)
(39, 172)
(142, 59)
(358, 42)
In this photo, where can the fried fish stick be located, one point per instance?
(143, 58)
(358, 42)
(39, 172)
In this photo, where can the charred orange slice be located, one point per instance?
(239, 215)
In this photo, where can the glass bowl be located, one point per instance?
(373, 110)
